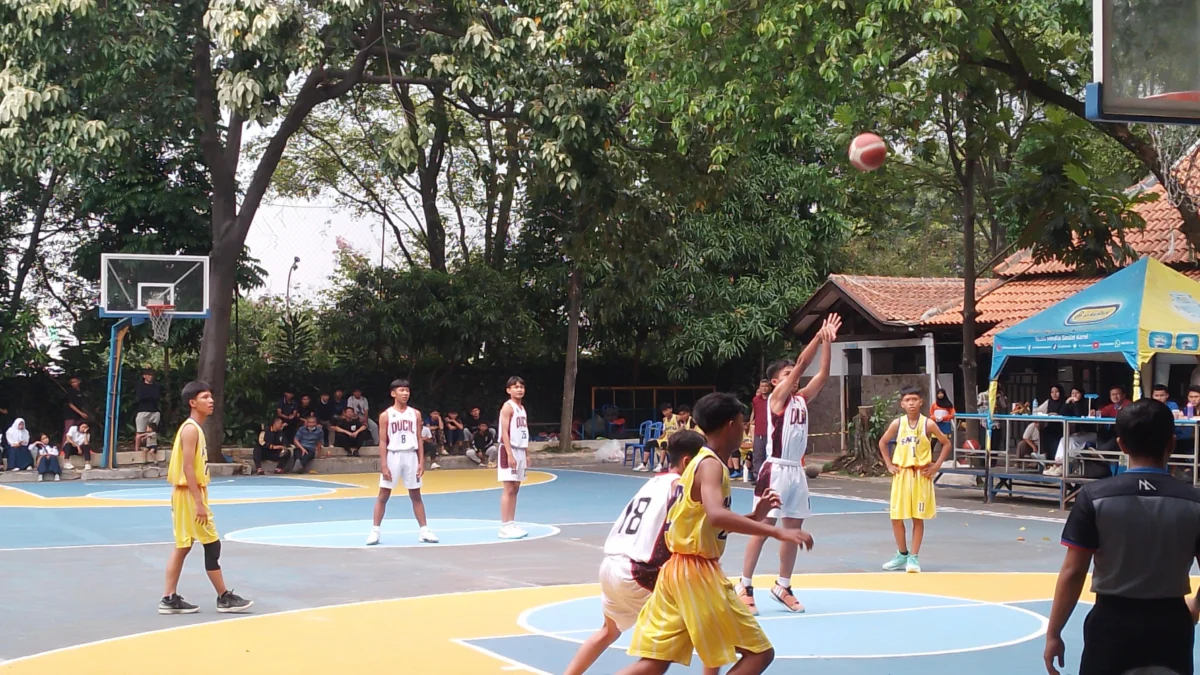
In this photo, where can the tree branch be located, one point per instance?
(27, 260)
(224, 181)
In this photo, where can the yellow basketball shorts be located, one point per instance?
(694, 607)
(183, 516)
(912, 495)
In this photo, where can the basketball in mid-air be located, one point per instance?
(867, 152)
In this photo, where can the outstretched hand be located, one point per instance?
(798, 537)
(830, 327)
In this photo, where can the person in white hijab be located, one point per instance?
(19, 457)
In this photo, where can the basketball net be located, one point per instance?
(1178, 147)
(160, 320)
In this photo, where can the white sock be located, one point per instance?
(784, 582)
(375, 529)
(747, 582)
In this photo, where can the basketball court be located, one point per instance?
(476, 604)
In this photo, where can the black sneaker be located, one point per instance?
(174, 604)
(232, 604)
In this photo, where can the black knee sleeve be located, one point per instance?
(212, 556)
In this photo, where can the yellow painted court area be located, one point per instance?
(343, 486)
(421, 632)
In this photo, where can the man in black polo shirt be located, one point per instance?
(1143, 529)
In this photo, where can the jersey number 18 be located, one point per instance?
(631, 520)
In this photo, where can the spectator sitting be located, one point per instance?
(474, 419)
(306, 408)
(19, 457)
(78, 442)
(363, 408)
(348, 431)
(308, 442)
(286, 411)
(455, 436)
(339, 401)
(1030, 440)
(325, 414)
(483, 444)
(429, 450)
(438, 429)
(74, 412)
(47, 459)
(148, 439)
(272, 445)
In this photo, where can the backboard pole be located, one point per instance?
(112, 405)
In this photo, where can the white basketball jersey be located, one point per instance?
(638, 531)
(518, 427)
(402, 429)
(787, 434)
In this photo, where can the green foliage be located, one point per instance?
(19, 355)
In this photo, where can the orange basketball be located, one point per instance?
(867, 152)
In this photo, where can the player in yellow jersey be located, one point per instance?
(693, 605)
(188, 475)
(912, 468)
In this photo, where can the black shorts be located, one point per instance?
(1121, 634)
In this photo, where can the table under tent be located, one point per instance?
(1133, 315)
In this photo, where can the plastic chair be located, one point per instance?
(648, 435)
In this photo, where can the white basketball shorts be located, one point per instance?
(621, 598)
(403, 465)
(508, 474)
(791, 484)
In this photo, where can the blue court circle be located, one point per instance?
(836, 621)
(394, 533)
(217, 493)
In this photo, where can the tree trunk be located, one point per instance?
(35, 235)
(574, 308)
(969, 365)
(215, 343)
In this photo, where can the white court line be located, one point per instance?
(356, 533)
(1044, 622)
(815, 493)
(512, 665)
(361, 603)
(60, 548)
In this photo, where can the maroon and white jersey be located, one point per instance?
(518, 427)
(638, 532)
(787, 434)
(402, 429)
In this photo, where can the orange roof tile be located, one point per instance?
(901, 300)
(1161, 239)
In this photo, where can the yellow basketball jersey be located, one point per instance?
(688, 531)
(912, 443)
(175, 468)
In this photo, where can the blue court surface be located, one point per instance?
(298, 545)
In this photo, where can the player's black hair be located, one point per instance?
(1159, 387)
(776, 366)
(910, 391)
(667, 405)
(682, 444)
(716, 410)
(1195, 388)
(1145, 428)
(193, 389)
(399, 384)
(684, 408)
(514, 380)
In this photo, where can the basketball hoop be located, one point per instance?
(160, 320)
(1178, 147)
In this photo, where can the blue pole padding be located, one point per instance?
(112, 406)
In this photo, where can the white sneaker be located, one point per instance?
(68, 465)
(1055, 471)
(373, 538)
(640, 467)
(511, 531)
(41, 478)
(57, 478)
(87, 467)
(435, 465)
(427, 536)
